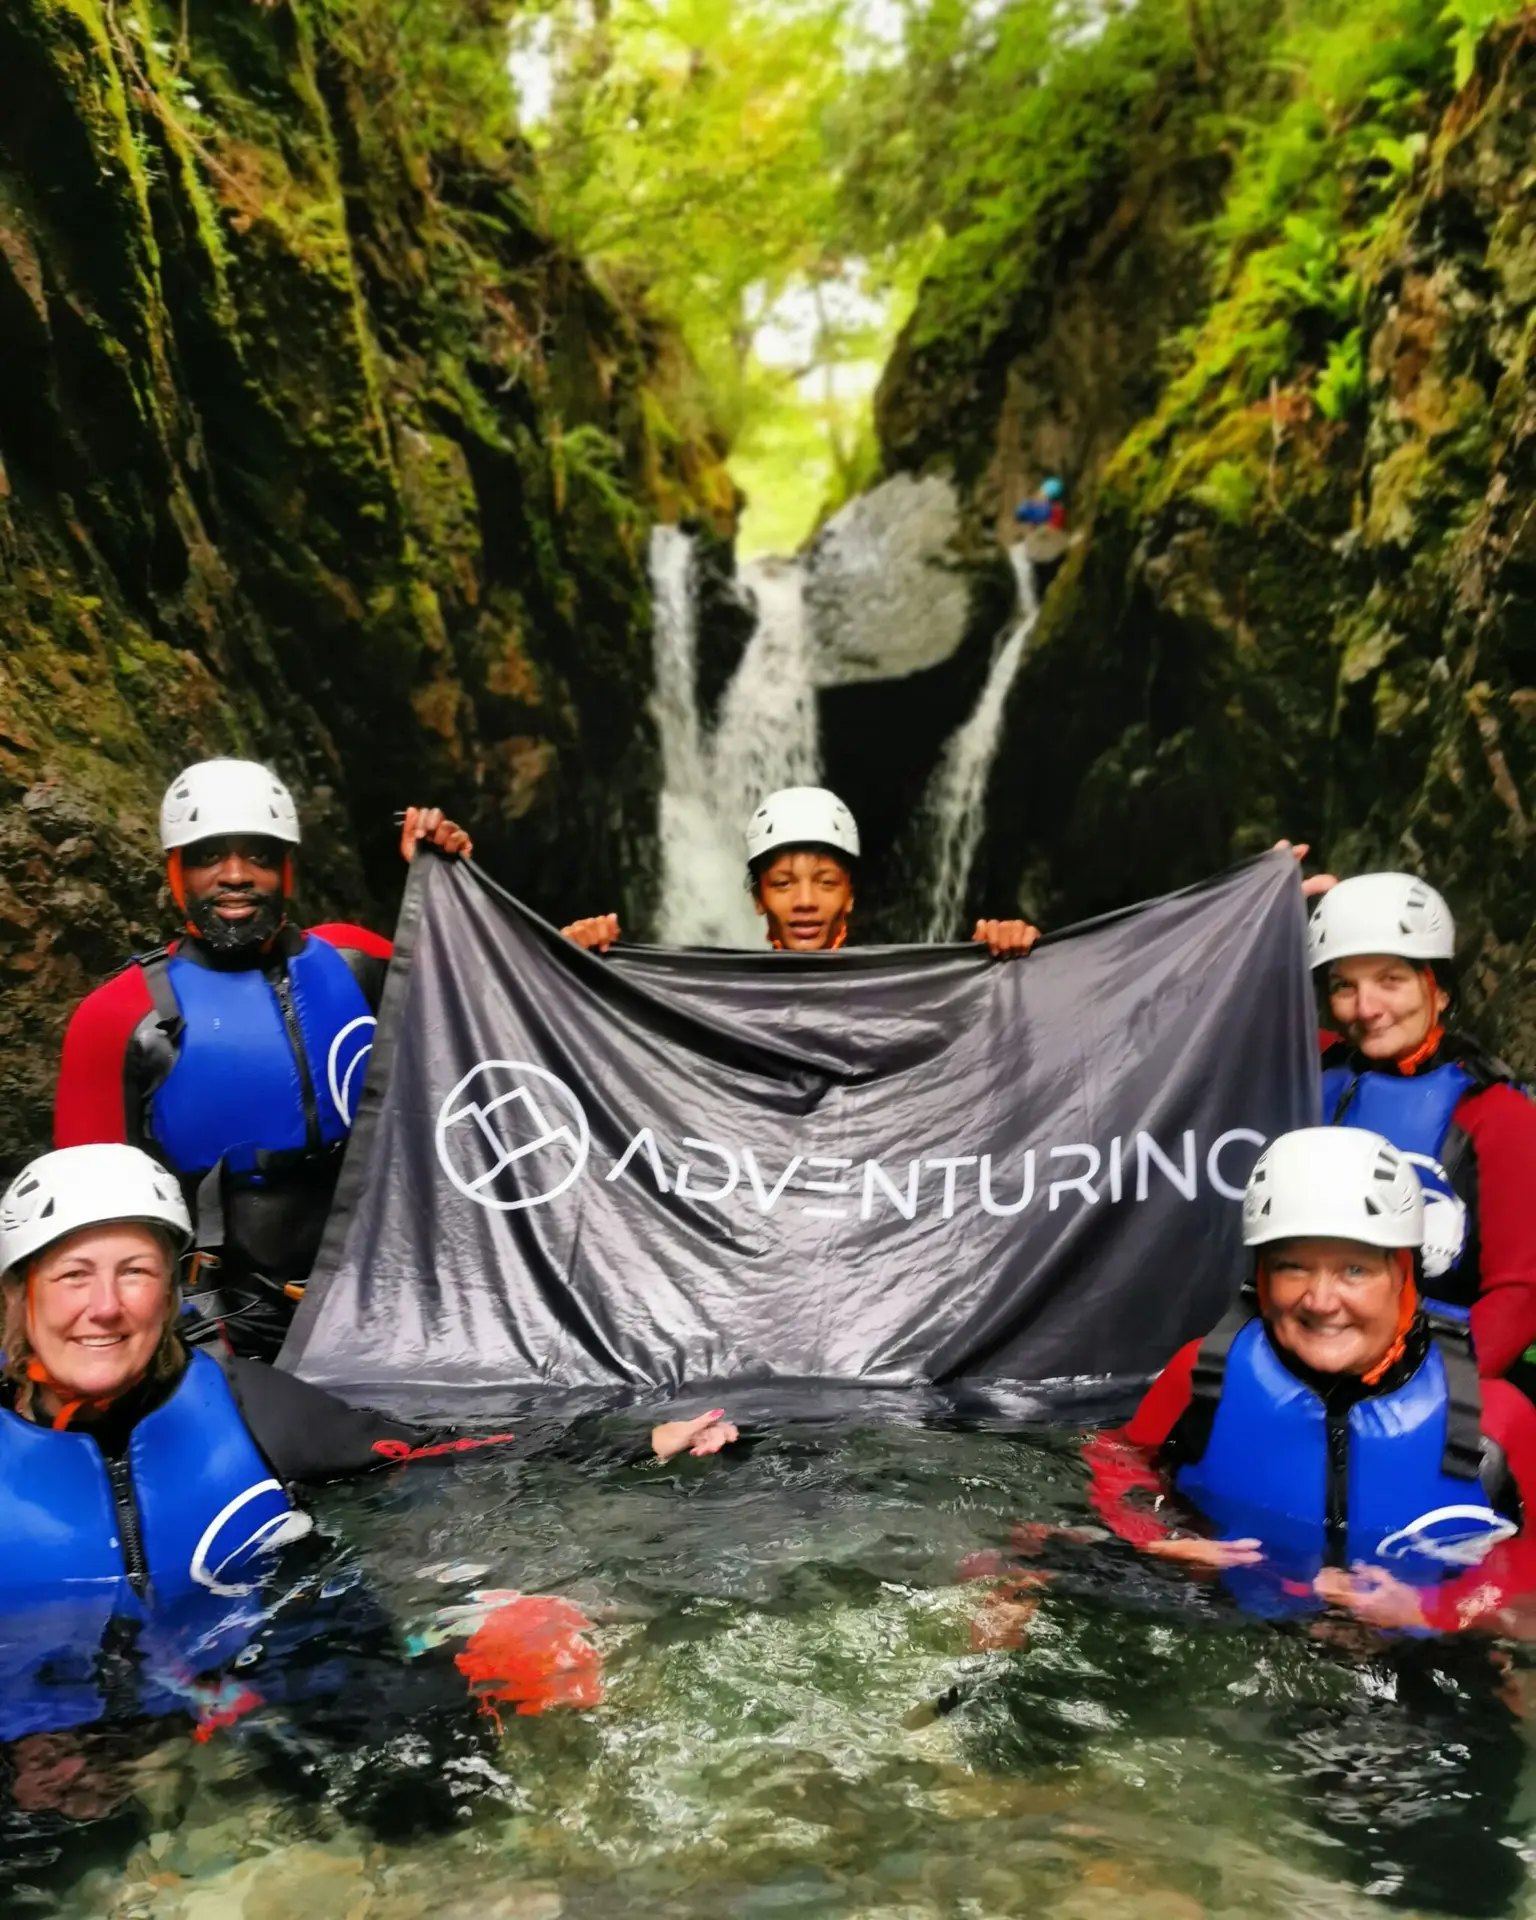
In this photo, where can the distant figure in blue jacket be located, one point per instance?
(1043, 516)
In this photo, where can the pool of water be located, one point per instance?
(803, 1712)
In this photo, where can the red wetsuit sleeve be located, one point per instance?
(1499, 1594)
(92, 1101)
(1500, 1123)
(341, 933)
(1121, 1475)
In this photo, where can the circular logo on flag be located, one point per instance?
(511, 1135)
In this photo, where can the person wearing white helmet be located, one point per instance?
(147, 1487)
(1328, 1444)
(237, 1053)
(802, 865)
(1382, 949)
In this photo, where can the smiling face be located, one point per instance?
(1332, 1304)
(1384, 1006)
(234, 888)
(806, 898)
(97, 1304)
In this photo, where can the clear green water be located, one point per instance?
(775, 1629)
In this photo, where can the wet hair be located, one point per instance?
(15, 1342)
(758, 867)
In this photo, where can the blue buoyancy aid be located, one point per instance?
(173, 1537)
(267, 1064)
(1416, 1113)
(186, 1511)
(1371, 1485)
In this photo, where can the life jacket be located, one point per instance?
(1416, 1113)
(169, 1540)
(1398, 1480)
(264, 1075)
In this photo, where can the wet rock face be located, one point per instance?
(312, 448)
(1278, 623)
(888, 589)
(904, 606)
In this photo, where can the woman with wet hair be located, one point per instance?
(145, 1485)
(1382, 949)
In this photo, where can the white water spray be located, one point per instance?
(765, 738)
(953, 809)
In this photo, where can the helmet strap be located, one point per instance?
(1429, 1046)
(38, 1374)
(1407, 1308)
(176, 880)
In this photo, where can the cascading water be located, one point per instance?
(765, 738)
(954, 807)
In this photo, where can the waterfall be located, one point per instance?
(765, 738)
(954, 807)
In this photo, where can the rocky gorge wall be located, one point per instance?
(312, 447)
(1303, 600)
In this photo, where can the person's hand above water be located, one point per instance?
(597, 933)
(431, 823)
(1006, 939)
(1197, 1552)
(1371, 1594)
(1320, 882)
(708, 1434)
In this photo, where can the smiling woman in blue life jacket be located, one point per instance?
(1328, 1444)
(802, 863)
(1381, 946)
(143, 1487)
(237, 1054)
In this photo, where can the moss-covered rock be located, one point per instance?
(1304, 602)
(312, 447)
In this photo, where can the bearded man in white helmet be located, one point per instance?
(802, 862)
(236, 1054)
(1382, 949)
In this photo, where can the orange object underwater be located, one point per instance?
(530, 1654)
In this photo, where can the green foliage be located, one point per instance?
(584, 457)
(1340, 388)
(1230, 490)
(1325, 153)
(1469, 20)
(777, 178)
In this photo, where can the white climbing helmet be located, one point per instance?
(226, 796)
(86, 1187)
(1333, 1183)
(1390, 913)
(802, 817)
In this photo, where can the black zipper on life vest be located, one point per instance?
(284, 994)
(129, 1534)
(1337, 1508)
